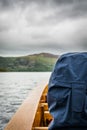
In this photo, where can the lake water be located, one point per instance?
(14, 88)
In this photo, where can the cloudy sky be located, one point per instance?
(33, 26)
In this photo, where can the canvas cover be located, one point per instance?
(67, 91)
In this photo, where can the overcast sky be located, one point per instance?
(33, 26)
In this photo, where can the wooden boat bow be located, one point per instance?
(30, 115)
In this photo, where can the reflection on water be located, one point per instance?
(14, 88)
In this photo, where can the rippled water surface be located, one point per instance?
(14, 88)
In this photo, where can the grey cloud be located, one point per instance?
(82, 43)
(6, 4)
(71, 9)
(68, 8)
(11, 4)
(59, 10)
(64, 8)
(4, 26)
(61, 2)
(42, 25)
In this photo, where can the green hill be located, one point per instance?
(36, 62)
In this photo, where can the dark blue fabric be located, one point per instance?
(67, 91)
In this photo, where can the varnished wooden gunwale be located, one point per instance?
(24, 118)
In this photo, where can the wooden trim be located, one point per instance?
(24, 117)
(40, 128)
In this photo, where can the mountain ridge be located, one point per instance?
(28, 63)
(45, 54)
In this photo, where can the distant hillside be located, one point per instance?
(35, 62)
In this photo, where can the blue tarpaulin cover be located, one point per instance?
(67, 91)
